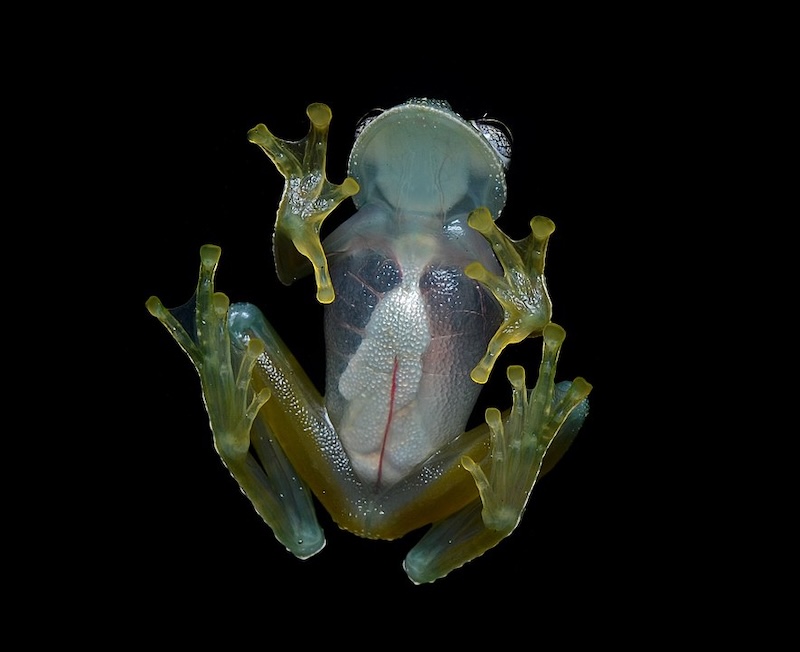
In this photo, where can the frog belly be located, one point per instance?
(402, 339)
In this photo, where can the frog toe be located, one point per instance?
(541, 421)
(308, 198)
(521, 291)
(242, 438)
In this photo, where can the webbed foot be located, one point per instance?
(308, 198)
(549, 414)
(519, 445)
(210, 352)
(521, 291)
(258, 465)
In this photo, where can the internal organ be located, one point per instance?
(401, 341)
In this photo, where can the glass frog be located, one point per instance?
(422, 291)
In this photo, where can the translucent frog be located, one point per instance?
(422, 293)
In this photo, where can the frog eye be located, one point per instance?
(368, 117)
(498, 135)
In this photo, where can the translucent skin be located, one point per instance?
(422, 293)
(402, 336)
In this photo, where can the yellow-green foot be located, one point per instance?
(519, 444)
(308, 198)
(243, 440)
(226, 385)
(521, 291)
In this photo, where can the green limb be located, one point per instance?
(308, 198)
(519, 445)
(242, 440)
(521, 291)
(450, 544)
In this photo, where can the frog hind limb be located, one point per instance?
(520, 441)
(241, 439)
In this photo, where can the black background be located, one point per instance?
(591, 533)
